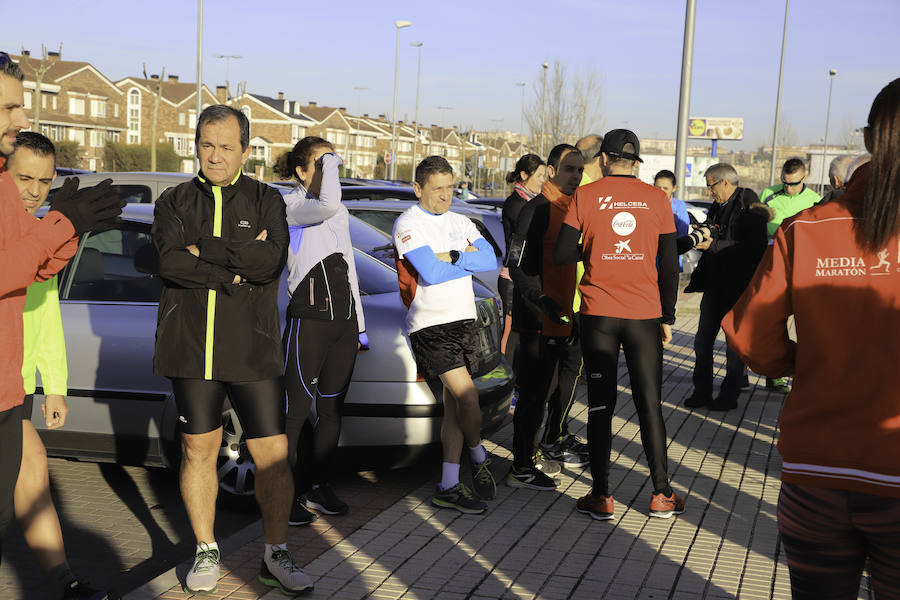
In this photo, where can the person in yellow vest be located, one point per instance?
(589, 146)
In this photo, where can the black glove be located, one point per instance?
(91, 209)
(553, 310)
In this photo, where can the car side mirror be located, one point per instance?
(146, 260)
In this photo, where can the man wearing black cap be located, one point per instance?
(628, 302)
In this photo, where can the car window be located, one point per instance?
(382, 220)
(131, 193)
(373, 275)
(105, 268)
(487, 235)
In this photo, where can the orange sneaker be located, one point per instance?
(664, 507)
(598, 507)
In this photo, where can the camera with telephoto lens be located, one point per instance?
(702, 232)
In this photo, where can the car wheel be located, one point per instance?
(234, 466)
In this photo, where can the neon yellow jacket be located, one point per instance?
(45, 345)
(786, 206)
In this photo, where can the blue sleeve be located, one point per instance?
(483, 259)
(431, 269)
(682, 220)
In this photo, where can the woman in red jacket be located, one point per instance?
(836, 269)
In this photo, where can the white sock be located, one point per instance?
(270, 548)
(449, 475)
(210, 546)
(478, 453)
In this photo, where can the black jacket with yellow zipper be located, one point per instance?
(207, 326)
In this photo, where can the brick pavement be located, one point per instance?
(535, 545)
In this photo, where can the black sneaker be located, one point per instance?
(483, 480)
(324, 500)
(531, 478)
(725, 401)
(299, 514)
(545, 466)
(696, 400)
(79, 590)
(574, 444)
(745, 382)
(459, 497)
(559, 453)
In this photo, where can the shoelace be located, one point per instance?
(464, 491)
(206, 559)
(482, 473)
(285, 561)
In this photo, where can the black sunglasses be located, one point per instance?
(789, 183)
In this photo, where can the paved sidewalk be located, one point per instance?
(395, 545)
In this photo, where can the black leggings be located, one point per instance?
(601, 338)
(10, 461)
(537, 359)
(320, 356)
(259, 405)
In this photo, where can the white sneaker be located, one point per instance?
(204, 575)
(280, 571)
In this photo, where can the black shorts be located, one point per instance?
(506, 289)
(441, 348)
(260, 405)
(27, 407)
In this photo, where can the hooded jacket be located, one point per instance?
(208, 327)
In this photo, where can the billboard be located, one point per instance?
(654, 163)
(715, 128)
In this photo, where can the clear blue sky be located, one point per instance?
(475, 51)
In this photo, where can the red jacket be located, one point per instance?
(30, 250)
(840, 426)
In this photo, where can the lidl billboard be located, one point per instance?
(716, 128)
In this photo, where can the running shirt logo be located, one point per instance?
(840, 266)
(610, 204)
(622, 251)
(624, 223)
(244, 223)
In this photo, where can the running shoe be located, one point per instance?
(598, 507)
(547, 467)
(324, 500)
(665, 506)
(483, 480)
(559, 453)
(280, 571)
(574, 444)
(459, 497)
(204, 574)
(300, 515)
(696, 400)
(779, 385)
(79, 590)
(531, 478)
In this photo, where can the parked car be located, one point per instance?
(121, 412)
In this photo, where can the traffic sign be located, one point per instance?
(388, 157)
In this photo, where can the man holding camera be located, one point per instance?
(733, 239)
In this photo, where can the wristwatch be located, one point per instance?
(454, 256)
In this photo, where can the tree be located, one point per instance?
(68, 154)
(45, 65)
(573, 106)
(131, 157)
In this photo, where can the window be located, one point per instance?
(297, 132)
(54, 132)
(182, 119)
(28, 95)
(192, 119)
(76, 135)
(44, 101)
(54, 102)
(113, 266)
(382, 220)
(339, 138)
(453, 152)
(373, 276)
(116, 111)
(98, 108)
(112, 136)
(76, 106)
(365, 141)
(405, 147)
(258, 152)
(97, 139)
(134, 116)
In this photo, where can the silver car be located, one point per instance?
(122, 412)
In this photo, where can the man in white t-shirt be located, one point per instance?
(437, 252)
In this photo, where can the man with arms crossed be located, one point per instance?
(33, 168)
(222, 240)
(30, 250)
(437, 252)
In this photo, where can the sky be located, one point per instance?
(474, 52)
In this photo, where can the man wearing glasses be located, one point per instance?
(736, 223)
(786, 200)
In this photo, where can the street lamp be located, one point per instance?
(787, 6)
(416, 118)
(522, 115)
(543, 104)
(228, 58)
(831, 74)
(398, 26)
(491, 147)
(359, 91)
(442, 109)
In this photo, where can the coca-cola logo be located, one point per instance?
(624, 223)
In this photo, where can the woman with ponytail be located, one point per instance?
(836, 268)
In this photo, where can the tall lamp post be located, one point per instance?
(787, 5)
(228, 58)
(543, 103)
(416, 118)
(491, 145)
(684, 97)
(522, 114)
(199, 102)
(831, 74)
(359, 91)
(398, 25)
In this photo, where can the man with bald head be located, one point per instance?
(589, 146)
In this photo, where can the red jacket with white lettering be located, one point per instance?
(30, 250)
(840, 426)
